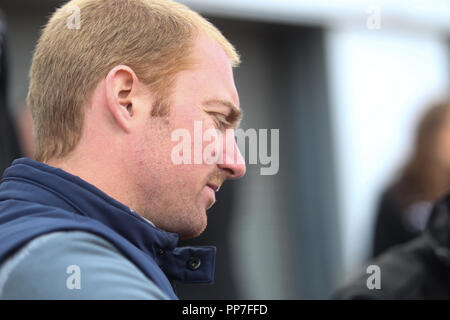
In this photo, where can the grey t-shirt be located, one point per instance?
(73, 265)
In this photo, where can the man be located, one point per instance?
(98, 215)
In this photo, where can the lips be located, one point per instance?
(214, 187)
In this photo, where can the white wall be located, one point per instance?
(419, 14)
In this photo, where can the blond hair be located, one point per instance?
(153, 37)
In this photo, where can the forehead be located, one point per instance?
(211, 77)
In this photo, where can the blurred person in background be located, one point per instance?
(406, 205)
(24, 126)
(9, 146)
(419, 268)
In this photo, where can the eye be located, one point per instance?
(220, 121)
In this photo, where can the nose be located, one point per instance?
(232, 161)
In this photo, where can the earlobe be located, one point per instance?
(121, 87)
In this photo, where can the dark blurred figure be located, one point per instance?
(406, 205)
(24, 127)
(9, 147)
(419, 268)
(416, 270)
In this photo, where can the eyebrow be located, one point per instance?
(234, 116)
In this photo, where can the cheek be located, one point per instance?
(187, 175)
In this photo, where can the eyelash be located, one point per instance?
(221, 122)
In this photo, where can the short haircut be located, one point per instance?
(153, 37)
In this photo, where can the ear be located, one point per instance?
(121, 85)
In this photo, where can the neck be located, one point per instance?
(103, 172)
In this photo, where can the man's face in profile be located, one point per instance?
(178, 195)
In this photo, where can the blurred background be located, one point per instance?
(346, 82)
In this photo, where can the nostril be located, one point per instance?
(229, 171)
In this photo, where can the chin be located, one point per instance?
(193, 227)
